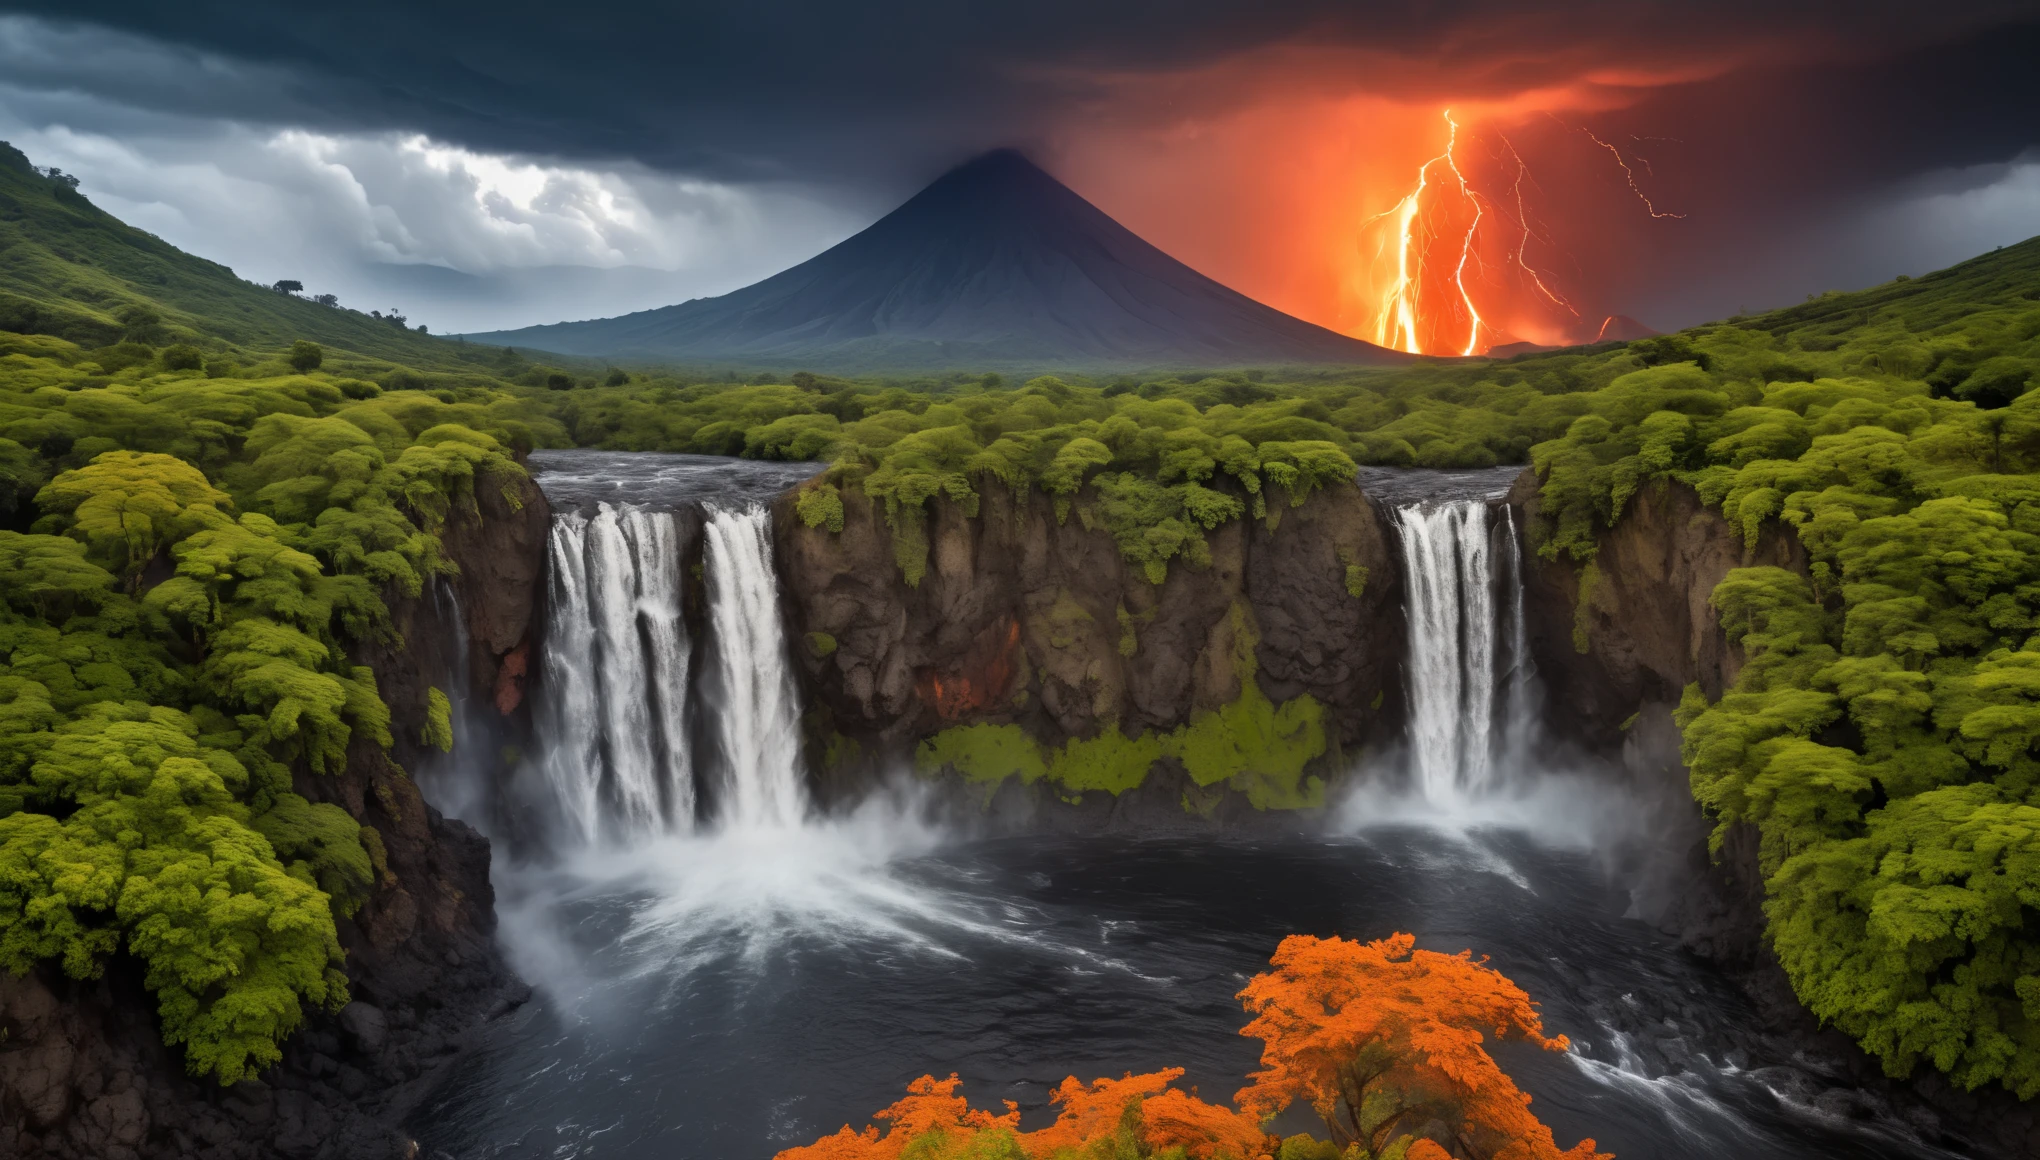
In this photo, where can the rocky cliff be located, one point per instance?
(1033, 657)
(83, 1070)
(1616, 643)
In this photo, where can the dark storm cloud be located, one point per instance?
(1811, 145)
(822, 88)
(1806, 177)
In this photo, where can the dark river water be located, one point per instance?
(732, 995)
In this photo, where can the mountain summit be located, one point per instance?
(994, 263)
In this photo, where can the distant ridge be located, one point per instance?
(994, 263)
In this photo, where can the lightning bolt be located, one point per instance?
(1631, 175)
(1523, 241)
(1396, 323)
(1466, 243)
(1421, 241)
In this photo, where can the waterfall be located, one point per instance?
(1521, 721)
(614, 709)
(453, 782)
(760, 716)
(1455, 628)
(573, 757)
(615, 675)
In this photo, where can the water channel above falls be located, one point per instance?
(728, 978)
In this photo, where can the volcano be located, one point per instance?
(996, 263)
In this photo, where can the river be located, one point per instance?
(727, 997)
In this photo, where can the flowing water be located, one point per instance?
(616, 659)
(759, 716)
(1469, 669)
(733, 984)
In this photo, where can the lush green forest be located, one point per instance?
(209, 490)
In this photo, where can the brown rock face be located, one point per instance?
(1023, 617)
(500, 548)
(1648, 627)
(1316, 636)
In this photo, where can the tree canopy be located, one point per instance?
(1384, 1040)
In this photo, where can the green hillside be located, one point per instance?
(69, 269)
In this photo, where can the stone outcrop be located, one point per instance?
(1646, 625)
(83, 1069)
(1027, 618)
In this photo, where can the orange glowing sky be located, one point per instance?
(1293, 199)
(1284, 173)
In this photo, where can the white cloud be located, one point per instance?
(463, 240)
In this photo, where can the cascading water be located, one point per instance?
(1520, 719)
(760, 718)
(1456, 633)
(456, 782)
(615, 671)
(619, 708)
(734, 989)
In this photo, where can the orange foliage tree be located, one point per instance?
(1385, 1042)
(1138, 1115)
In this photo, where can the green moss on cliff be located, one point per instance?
(1252, 746)
(1257, 748)
(438, 728)
(1356, 581)
(1130, 625)
(1111, 761)
(1067, 620)
(820, 506)
(983, 754)
(1583, 608)
(840, 751)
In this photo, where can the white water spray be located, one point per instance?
(760, 717)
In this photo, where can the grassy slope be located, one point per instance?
(69, 268)
(2006, 274)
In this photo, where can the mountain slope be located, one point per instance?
(71, 269)
(995, 262)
